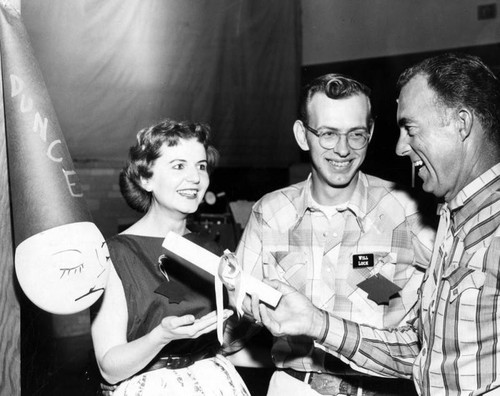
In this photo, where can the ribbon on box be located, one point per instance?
(226, 271)
(229, 274)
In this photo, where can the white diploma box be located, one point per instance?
(189, 251)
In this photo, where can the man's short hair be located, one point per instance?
(334, 86)
(462, 80)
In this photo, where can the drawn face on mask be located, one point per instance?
(63, 270)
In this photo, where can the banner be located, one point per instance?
(61, 259)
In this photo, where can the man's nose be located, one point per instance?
(402, 147)
(342, 147)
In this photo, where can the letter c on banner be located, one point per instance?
(49, 151)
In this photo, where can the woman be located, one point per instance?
(154, 330)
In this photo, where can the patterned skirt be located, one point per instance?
(212, 376)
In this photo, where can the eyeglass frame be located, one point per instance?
(318, 134)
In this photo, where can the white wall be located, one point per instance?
(340, 30)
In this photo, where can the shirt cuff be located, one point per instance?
(342, 337)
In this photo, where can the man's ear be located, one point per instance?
(300, 135)
(465, 121)
(372, 128)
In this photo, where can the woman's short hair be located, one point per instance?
(147, 149)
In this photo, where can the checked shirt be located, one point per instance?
(291, 238)
(453, 347)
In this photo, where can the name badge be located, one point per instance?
(362, 260)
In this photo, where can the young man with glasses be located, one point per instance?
(354, 244)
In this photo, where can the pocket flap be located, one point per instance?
(461, 279)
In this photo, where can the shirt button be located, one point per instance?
(335, 235)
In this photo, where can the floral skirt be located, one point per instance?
(213, 376)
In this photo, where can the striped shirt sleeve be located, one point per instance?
(380, 352)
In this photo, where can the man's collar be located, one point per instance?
(357, 203)
(305, 199)
(475, 187)
(469, 200)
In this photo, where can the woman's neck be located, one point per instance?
(157, 225)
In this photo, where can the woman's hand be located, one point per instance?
(181, 327)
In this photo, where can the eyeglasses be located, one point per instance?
(162, 262)
(329, 139)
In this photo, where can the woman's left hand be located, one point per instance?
(181, 327)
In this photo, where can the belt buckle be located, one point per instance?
(177, 362)
(328, 384)
(325, 384)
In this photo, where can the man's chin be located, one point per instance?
(431, 189)
(342, 182)
(427, 187)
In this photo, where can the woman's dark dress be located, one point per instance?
(151, 297)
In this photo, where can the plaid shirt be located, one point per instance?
(453, 346)
(290, 238)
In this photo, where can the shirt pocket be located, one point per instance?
(385, 264)
(288, 265)
(464, 297)
(464, 282)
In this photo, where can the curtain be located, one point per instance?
(114, 66)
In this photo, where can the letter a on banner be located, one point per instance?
(61, 259)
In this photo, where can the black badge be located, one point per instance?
(362, 260)
(379, 289)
